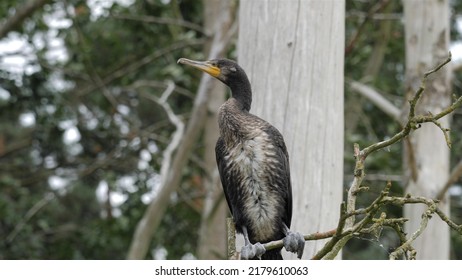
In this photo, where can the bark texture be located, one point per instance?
(293, 54)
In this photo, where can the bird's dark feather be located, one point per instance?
(275, 180)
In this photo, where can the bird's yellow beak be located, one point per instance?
(205, 66)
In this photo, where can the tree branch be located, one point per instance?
(32, 211)
(374, 9)
(175, 120)
(377, 99)
(313, 236)
(160, 20)
(413, 120)
(349, 228)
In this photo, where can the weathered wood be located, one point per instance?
(231, 237)
(212, 232)
(293, 54)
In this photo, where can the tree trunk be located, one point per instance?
(212, 233)
(293, 53)
(426, 153)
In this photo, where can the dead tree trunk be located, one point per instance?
(293, 54)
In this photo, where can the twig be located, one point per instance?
(401, 250)
(433, 204)
(347, 219)
(32, 211)
(337, 236)
(331, 249)
(160, 85)
(376, 8)
(176, 121)
(413, 120)
(345, 236)
(160, 20)
(378, 177)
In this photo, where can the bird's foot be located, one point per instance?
(294, 242)
(251, 251)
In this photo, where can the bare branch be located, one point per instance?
(413, 120)
(432, 204)
(377, 99)
(348, 228)
(336, 239)
(32, 211)
(161, 85)
(378, 177)
(406, 246)
(374, 9)
(175, 120)
(160, 20)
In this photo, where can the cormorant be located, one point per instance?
(253, 164)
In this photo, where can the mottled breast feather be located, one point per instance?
(254, 170)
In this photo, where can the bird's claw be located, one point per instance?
(251, 251)
(294, 242)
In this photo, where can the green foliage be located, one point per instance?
(92, 92)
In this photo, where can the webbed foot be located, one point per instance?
(294, 242)
(251, 251)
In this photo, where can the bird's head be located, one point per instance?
(225, 70)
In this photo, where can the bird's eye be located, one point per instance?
(233, 69)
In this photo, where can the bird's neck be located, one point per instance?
(242, 92)
(233, 121)
(233, 116)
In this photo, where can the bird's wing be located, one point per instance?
(220, 154)
(283, 155)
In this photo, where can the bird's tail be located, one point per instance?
(272, 255)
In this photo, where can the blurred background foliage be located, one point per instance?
(81, 140)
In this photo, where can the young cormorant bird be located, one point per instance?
(253, 164)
